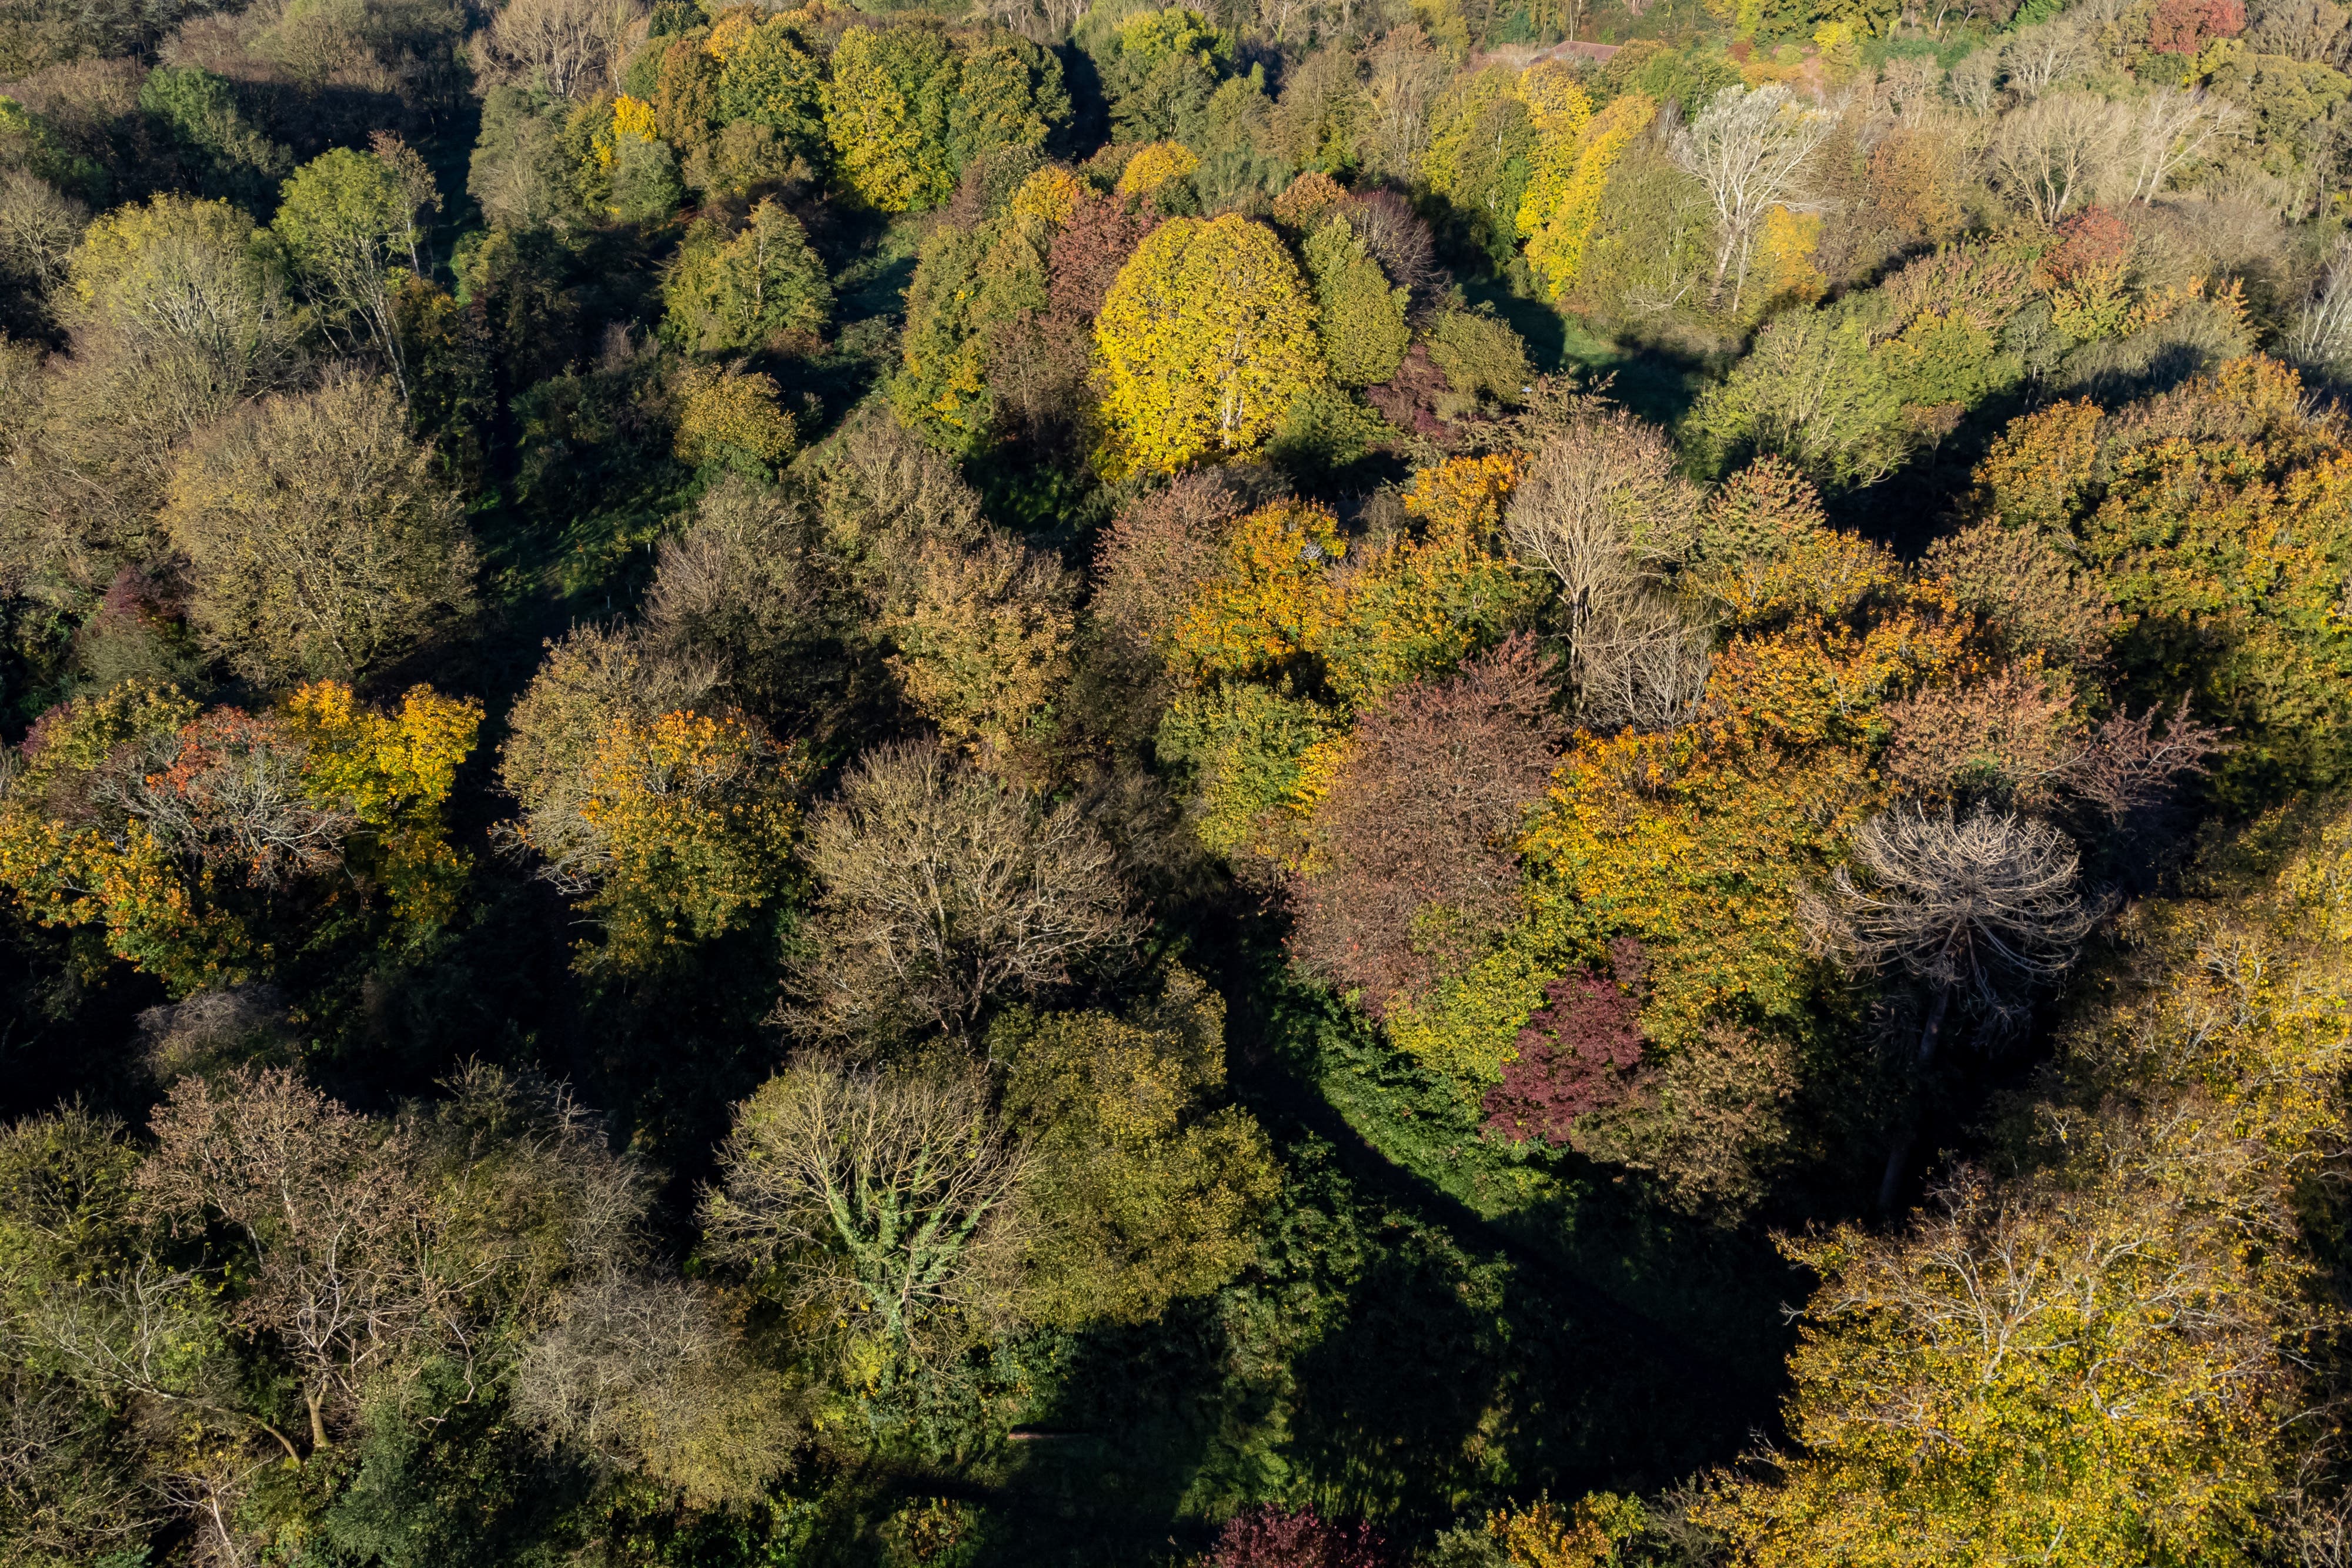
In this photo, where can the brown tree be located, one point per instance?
(1412, 864)
(323, 540)
(942, 889)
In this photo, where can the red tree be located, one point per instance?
(2183, 27)
(2089, 241)
(1577, 1053)
(1269, 1537)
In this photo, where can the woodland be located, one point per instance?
(1312, 784)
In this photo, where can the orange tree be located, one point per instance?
(1297, 628)
(187, 834)
(694, 822)
(1695, 840)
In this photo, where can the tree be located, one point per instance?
(1603, 509)
(345, 1265)
(1139, 1194)
(138, 812)
(2060, 152)
(692, 819)
(1205, 340)
(1361, 315)
(1270, 1537)
(1752, 150)
(943, 890)
(198, 111)
(1412, 866)
(565, 48)
(346, 219)
(323, 540)
(886, 105)
(1576, 1055)
(725, 295)
(591, 685)
(1811, 392)
(645, 1373)
(890, 1195)
(1009, 94)
(1161, 69)
(768, 78)
(985, 642)
(1558, 232)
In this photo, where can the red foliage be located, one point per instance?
(135, 596)
(2093, 239)
(2183, 27)
(1087, 253)
(1408, 398)
(1159, 549)
(1577, 1053)
(1269, 1537)
(1415, 834)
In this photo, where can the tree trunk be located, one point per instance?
(314, 1398)
(1901, 1153)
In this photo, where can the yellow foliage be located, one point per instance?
(393, 772)
(633, 120)
(729, 415)
(730, 33)
(1154, 165)
(1541, 1536)
(1051, 193)
(1560, 111)
(1557, 232)
(697, 822)
(1203, 343)
(1789, 241)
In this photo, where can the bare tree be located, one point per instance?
(38, 229)
(1414, 865)
(1981, 907)
(2319, 337)
(943, 888)
(883, 1195)
(2059, 153)
(2037, 61)
(1605, 510)
(569, 47)
(2169, 129)
(347, 1269)
(644, 1372)
(1752, 150)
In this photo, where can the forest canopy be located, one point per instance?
(1322, 784)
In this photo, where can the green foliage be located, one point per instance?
(1360, 315)
(725, 294)
(198, 111)
(769, 78)
(1159, 70)
(887, 106)
(1810, 391)
(1144, 1195)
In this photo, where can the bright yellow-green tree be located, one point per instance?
(1558, 227)
(695, 818)
(885, 109)
(1205, 340)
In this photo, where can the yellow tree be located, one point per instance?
(1205, 340)
(695, 819)
(1557, 228)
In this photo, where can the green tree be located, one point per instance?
(347, 220)
(886, 107)
(1810, 391)
(1159, 70)
(1206, 339)
(725, 294)
(196, 109)
(1361, 315)
(1140, 1193)
(1008, 93)
(771, 78)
